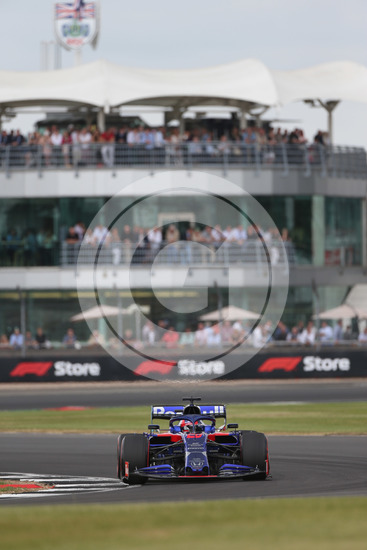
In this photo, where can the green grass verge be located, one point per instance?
(286, 524)
(309, 418)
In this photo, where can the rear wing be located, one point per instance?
(158, 411)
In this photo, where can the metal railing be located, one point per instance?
(333, 161)
(185, 253)
(19, 253)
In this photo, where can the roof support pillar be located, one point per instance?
(329, 106)
(243, 119)
(101, 120)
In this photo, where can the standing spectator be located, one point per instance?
(172, 236)
(16, 339)
(108, 147)
(155, 241)
(85, 139)
(65, 147)
(77, 155)
(101, 235)
(338, 331)
(46, 145)
(72, 246)
(79, 228)
(56, 142)
(115, 246)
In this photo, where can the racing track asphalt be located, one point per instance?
(301, 466)
(117, 394)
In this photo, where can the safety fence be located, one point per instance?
(334, 161)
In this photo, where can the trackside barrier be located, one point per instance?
(275, 364)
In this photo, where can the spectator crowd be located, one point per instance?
(87, 146)
(138, 245)
(203, 335)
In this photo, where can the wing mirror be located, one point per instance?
(232, 426)
(153, 427)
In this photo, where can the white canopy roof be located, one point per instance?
(240, 84)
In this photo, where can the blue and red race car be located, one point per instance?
(192, 447)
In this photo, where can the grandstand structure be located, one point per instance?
(315, 193)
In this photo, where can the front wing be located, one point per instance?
(166, 471)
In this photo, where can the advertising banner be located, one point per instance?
(277, 365)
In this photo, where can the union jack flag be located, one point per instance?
(75, 10)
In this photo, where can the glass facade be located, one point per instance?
(52, 310)
(323, 230)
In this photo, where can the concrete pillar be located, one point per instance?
(101, 120)
(318, 230)
(243, 119)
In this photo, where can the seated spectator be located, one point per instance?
(29, 341)
(41, 341)
(308, 336)
(281, 332)
(16, 339)
(258, 337)
(200, 336)
(187, 338)
(227, 333)
(148, 333)
(326, 333)
(338, 331)
(363, 336)
(70, 341)
(214, 338)
(348, 334)
(293, 335)
(95, 339)
(4, 341)
(170, 338)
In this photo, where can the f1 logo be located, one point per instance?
(287, 364)
(38, 368)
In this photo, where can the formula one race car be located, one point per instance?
(192, 447)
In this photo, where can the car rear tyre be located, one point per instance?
(254, 451)
(134, 451)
